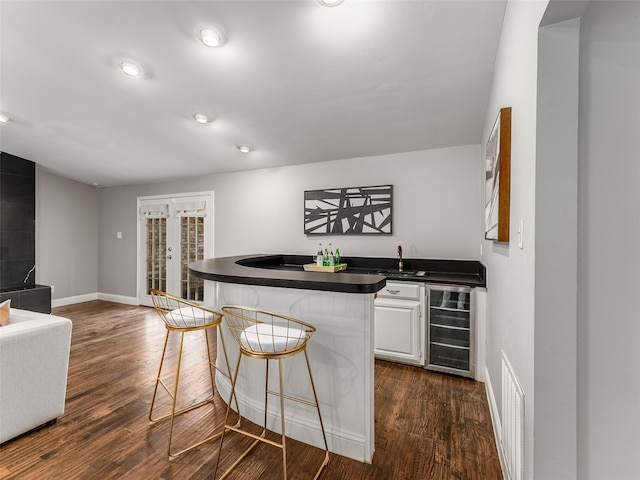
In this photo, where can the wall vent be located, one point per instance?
(512, 422)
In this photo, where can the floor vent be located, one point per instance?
(512, 422)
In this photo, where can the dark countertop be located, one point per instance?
(451, 272)
(269, 270)
(363, 274)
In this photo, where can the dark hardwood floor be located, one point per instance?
(428, 425)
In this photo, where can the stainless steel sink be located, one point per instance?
(393, 273)
(398, 274)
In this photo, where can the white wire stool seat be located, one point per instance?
(268, 336)
(182, 316)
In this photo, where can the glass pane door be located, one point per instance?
(174, 231)
(450, 330)
(192, 240)
(155, 251)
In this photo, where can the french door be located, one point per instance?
(173, 231)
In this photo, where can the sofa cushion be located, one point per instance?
(5, 310)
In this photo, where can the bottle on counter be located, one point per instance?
(338, 258)
(325, 257)
(319, 256)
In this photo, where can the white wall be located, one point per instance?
(261, 211)
(511, 271)
(609, 242)
(66, 236)
(556, 219)
(575, 348)
(435, 211)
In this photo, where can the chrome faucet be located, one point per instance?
(400, 257)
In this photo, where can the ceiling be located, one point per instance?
(296, 81)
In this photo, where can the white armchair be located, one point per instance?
(34, 361)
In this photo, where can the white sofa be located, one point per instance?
(34, 361)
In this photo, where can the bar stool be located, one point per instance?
(182, 316)
(268, 336)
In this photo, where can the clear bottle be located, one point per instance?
(319, 256)
(325, 257)
(338, 258)
(332, 258)
(462, 297)
(445, 299)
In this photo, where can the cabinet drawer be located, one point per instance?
(406, 290)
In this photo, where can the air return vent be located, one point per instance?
(512, 422)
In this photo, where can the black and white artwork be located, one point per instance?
(492, 183)
(349, 211)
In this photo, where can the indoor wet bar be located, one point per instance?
(341, 306)
(319, 239)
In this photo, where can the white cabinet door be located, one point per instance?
(398, 332)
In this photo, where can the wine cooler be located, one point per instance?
(451, 330)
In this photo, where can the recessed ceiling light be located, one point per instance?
(130, 68)
(201, 118)
(4, 118)
(330, 3)
(210, 37)
(244, 148)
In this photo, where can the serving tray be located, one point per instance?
(312, 267)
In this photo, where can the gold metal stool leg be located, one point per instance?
(268, 336)
(317, 404)
(234, 428)
(173, 394)
(284, 438)
(261, 437)
(158, 380)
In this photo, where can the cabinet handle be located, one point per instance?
(393, 292)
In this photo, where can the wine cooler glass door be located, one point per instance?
(450, 336)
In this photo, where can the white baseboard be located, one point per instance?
(118, 298)
(495, 420)
(61, 302)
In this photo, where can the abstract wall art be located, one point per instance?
(349, 211)
(497, 179)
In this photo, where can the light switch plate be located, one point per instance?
(521, 234)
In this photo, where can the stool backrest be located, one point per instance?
(265, 333)
(179, 313)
